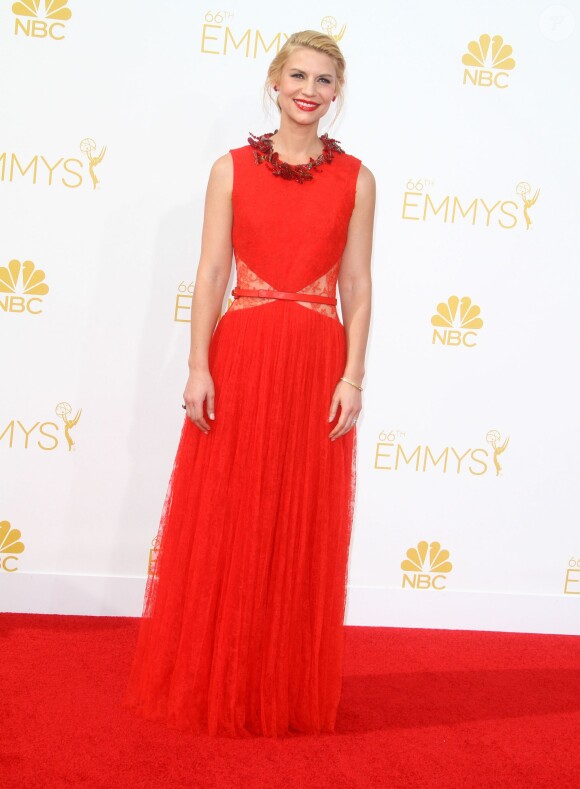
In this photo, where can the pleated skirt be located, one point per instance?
(242, 631)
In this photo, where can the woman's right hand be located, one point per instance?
(198, 389)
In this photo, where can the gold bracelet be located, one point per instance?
(353, 383)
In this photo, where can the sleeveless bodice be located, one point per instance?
(287, 233)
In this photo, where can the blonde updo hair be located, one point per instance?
(318, 41)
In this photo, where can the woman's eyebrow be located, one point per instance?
(303, 72)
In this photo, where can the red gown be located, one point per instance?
(243, 620)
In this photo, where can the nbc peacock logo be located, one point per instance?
(41, 18)
(22, 287)
(11, 547)
(456, 323)
(489, 61)
(426, 567)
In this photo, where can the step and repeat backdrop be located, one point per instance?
(467, 505)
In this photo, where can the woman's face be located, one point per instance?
(307, 85)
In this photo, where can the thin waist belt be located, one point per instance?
(281, 294)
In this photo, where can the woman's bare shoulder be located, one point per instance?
(223, 164)
(366, 186)
(222, 171)
(366, 179)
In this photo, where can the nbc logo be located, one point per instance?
(456, 322)
(489, 60)
(10, 547)
(41, 19)
(425, 566)
(21, 287)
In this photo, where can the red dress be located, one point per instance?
(243, 620)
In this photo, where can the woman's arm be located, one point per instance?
(354, 280)
(355, 287)
(212, 277)
(215, 262)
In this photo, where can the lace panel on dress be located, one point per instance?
(323, 286)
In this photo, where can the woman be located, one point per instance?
(242, 629)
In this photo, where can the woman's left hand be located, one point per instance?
(350, 400)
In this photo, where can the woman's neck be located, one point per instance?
(297, 144)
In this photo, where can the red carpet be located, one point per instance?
(420, 708)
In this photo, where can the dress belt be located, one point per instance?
(281, 294)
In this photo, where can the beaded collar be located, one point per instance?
(263, 152)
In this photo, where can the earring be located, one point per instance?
(275, 87)
(334, 98)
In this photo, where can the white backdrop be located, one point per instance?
(464, 139)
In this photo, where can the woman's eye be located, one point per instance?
(324, 79)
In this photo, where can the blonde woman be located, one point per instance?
(243, 622)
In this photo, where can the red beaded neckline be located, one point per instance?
(263, 152)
